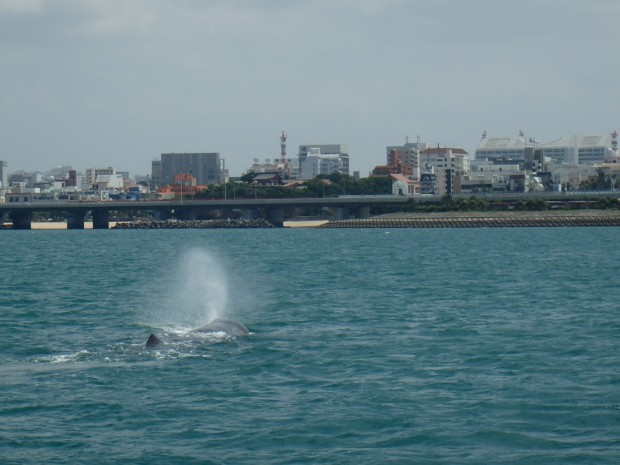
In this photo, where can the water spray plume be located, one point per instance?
(199, 290)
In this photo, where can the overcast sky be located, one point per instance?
(95, 83)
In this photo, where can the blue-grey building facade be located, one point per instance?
(205, 167)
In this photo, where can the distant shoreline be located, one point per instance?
(452, 219)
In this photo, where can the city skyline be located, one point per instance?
(572, 149)
(119, 83)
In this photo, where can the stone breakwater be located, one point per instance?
(477, 222)
(196, 224)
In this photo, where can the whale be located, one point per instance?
(230, 328)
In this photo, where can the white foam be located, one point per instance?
(63, 358)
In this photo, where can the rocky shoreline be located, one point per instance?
(196, 224)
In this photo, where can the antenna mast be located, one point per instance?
(283, 138)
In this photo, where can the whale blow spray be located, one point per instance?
(198, 290)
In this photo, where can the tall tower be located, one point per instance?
(283, 147)
(4, 175)
(614, 142)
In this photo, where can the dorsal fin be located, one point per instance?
(153, 341)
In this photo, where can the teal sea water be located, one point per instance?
(437, 346)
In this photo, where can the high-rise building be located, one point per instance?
(155, 174)
(72, 179)
(205, 167)
(446, 163)
(91, 175)
(323, 159)
(409, 155)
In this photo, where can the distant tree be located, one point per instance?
(478, 204)
(321, 187)
(410, 205)
(535, 204)
(608, 203)
(248, 177)
(601, 182)
(373, 186)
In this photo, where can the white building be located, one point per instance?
(446, 164)
(585, 150)
(109, 182)
(91, 175)
(59, 172)
(402, 185)
(330, 164)
(324, 159)
(289, 169)
(485, 177)
(310, 165)
(570, 175)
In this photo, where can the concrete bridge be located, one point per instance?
(275, 211)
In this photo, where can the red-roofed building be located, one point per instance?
(394, 166)
(404, 185)
(182, 184)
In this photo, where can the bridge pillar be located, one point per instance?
(363, 212)
(276, 216)
(75, 220)
(231, 213)
(186, 214)
(101, 219)
(343, 213)
(250, 213)
(162, 215)
(21, 219)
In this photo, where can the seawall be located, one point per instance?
(484, 220)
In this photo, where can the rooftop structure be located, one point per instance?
(267, 179)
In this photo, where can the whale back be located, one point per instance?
(232, 328)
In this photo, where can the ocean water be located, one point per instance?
(427, 346)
